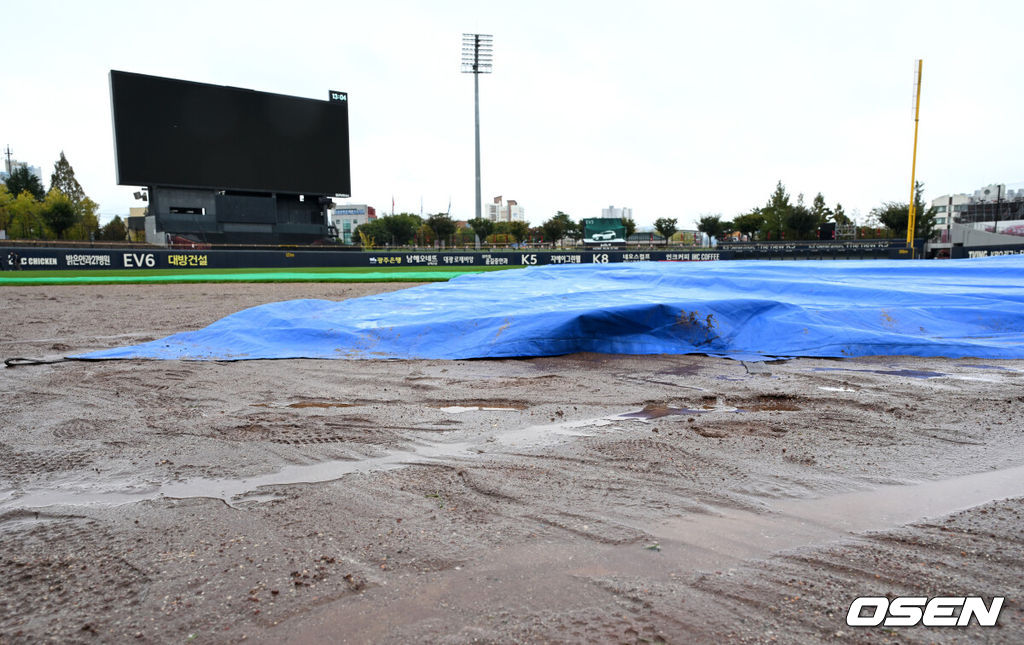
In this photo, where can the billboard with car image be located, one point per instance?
(604, 231)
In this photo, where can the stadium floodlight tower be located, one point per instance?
(477, 59)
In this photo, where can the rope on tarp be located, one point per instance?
(24, 362)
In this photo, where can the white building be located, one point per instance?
(346, 217)
(947, 206)
(617, 213)
(509, 211)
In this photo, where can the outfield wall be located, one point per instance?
(57, 258)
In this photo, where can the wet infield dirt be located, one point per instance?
(582, 498)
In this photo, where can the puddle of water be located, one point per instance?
(88, 490)
(659, 411)
(716, 541)
(546, 575)
(548, 434)
(836, 389)
(911, 373)
(241, 490)
(979, 379)
(82, 491)
(85, 489)
(307, 404)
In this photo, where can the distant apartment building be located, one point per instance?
(617, 213)
(11, 165)
(347, 217)
(947, 206)
(509, 211)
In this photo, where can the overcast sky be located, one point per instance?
(675, 109)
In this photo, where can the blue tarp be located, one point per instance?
(952, 308)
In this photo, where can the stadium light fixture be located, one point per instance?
(477, 59)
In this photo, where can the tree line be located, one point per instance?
(65, 212)
(405, 229)
(563, 227)
(782, 219)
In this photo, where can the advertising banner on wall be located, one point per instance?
(55, 258)
(1004, 227)
(23, 259)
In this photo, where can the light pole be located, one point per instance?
(477, 58)
(949, 221)
(999, 203)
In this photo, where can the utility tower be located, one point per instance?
(477, 59)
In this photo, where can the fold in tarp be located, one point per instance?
(750, 309)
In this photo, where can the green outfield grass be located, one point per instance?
(311, 274)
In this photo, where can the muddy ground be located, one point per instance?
(584, 498)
